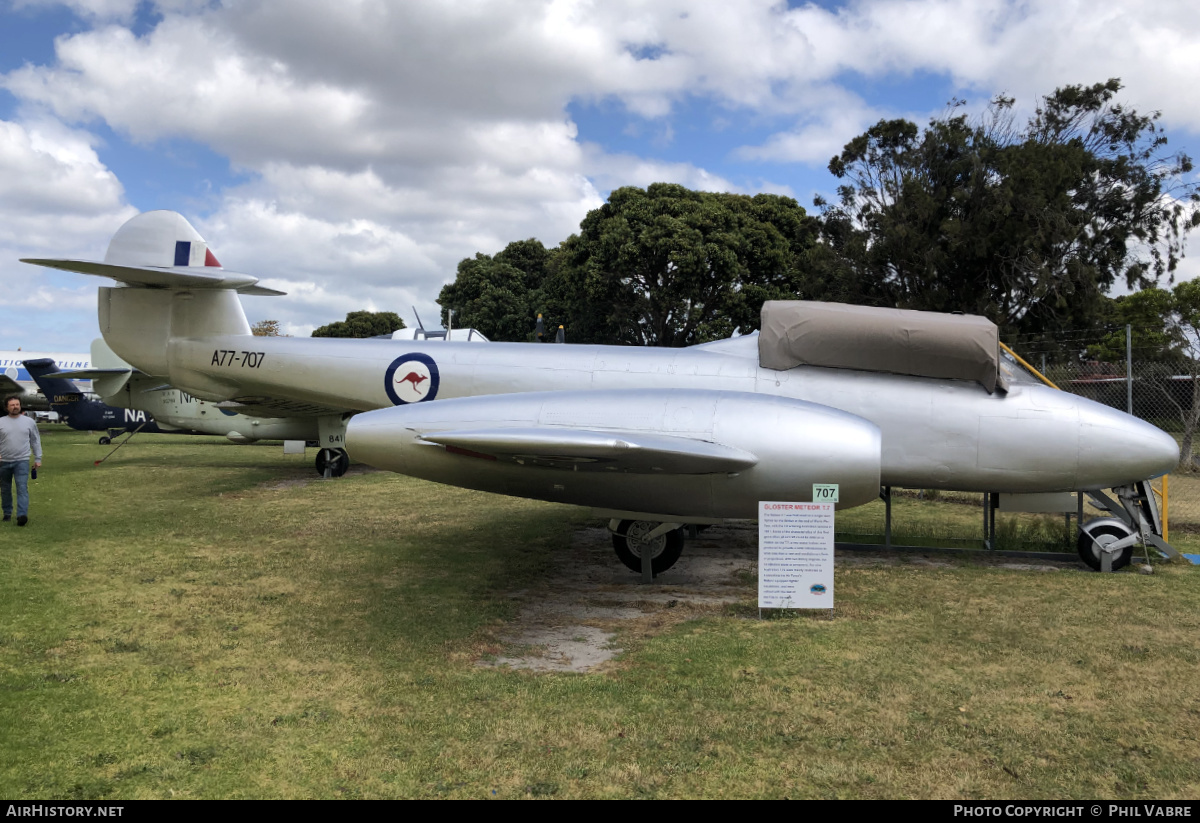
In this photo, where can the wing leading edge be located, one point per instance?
(587, 450)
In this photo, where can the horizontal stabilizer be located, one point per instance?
(586, 450)
(88, 374)
(161, 277)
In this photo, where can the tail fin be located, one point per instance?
(62, 393)
(173, 287)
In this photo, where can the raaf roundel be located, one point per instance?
(411, 378)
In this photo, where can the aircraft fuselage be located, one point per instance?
(935, 433)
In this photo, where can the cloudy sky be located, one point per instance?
(352, 153)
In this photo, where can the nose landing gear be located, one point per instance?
(1106, 535)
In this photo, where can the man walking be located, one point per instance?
(18, 437)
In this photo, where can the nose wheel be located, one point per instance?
(633, 537)
(1094, 537)
(332, 462)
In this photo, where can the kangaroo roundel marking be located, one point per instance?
(411, 378)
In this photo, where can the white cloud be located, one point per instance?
(56, 199)
(819, 135)
(385, 141)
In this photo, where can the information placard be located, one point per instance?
(825, 492)
(795, 555)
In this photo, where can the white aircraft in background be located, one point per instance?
(15, 379)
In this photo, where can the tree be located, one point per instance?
(267, 328)
(1027, 226)
(1165, 332)
(498, 295)
(667, 266)
(663, 266)
(362, 324)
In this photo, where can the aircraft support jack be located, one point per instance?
(1106, 543)
(885, 493)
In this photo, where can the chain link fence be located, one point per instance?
(1162, 393)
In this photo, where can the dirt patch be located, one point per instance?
(311, 476)
(570, 622)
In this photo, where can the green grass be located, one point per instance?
(191, 620)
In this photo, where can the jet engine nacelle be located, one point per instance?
(725, 451)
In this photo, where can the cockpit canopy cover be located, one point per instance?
(899, 341)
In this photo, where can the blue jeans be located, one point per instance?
(18, 470)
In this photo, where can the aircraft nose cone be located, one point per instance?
(1116, 448)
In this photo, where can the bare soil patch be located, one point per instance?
(570, 621)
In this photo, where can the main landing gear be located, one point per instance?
(632, 538)
(332, 462)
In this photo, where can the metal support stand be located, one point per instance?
(1078, 517)
(647, 559)
(887, 516)
(987, 521)
(995, 504)
(1106, 558)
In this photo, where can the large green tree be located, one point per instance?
(362, 324)
(499, 295)
(667, 266)
(661, 266)
(1028, 225)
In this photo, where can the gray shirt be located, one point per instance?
(18, 436)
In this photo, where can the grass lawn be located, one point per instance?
(195, 619)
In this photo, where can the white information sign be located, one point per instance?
(795, 555)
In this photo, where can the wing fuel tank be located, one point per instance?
(724, 451)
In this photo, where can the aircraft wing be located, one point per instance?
(587, 450)
(278, 407)
(9, 386)
(88, 374)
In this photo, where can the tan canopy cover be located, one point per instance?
(899, 341)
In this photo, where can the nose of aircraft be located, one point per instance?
(1116, 448)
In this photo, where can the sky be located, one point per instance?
(352, 153)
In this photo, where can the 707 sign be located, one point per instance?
(825, 492)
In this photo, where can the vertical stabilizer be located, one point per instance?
(161, 239)
(172, 287)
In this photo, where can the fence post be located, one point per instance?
(1129, 368)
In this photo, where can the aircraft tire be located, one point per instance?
(336, 460)
(104, 441)
(1103, 534)
(665, 549)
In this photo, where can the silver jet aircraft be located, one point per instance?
(650, 438)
